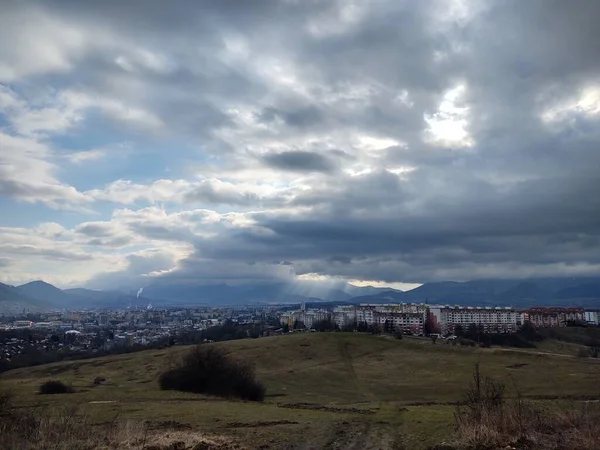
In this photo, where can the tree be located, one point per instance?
(388, 327)
(97, 341)
(349, 327)
(472, 331)
(429, 326)
(70, 338)
(362, 327)
(325, 325)
(528, 331)
(299, 325)
(458, 330)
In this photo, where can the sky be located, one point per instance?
(384, 142)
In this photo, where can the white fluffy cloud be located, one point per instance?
(28, 173)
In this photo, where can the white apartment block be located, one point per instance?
(401, 321)
(309, 318)
(591, 317)
(344, 315)
(492, 319)
(313, 316)
(401, 317)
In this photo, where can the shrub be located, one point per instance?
(99, 380)
(583, 352)
(487, 419)
(6, 404)
(62, 428)
(55, 387)
(466, 342)
(210, 370)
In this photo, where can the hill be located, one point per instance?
(580, 291)
(325, 390)
(386, 296)
(224, 294)
(525, 293)
(48, 294)
(519, 293)
(12, 300)
(105, 299)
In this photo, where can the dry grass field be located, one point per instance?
(324, 390)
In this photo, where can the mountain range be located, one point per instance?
(39, 295)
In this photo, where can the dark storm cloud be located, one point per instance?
(299, 161)
(340, 260)
(206, 193)
(301, 118)
(95, 229)
(530, 228)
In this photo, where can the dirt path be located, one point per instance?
(540, 353)
(347, 359)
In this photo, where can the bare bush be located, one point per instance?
(70, 428)
(99, 380)
(55, 387)
(67, 428)
(210, 370)
(488, 420)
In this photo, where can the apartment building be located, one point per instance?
(344, 315)
(308, 318)
(554, 316)
(444, 319)
(405, 317)
(591, 316)
(406, 322)
(417, 318)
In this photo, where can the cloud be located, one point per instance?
(404, 142)
(49, 45)
(27, 174)
(86, 156)
(99, 229)
(208, 192)
(298, 161)
(54, 254)
(6, 262)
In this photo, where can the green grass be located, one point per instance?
(406, 386)
(576, 335)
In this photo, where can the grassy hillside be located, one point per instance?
(589, 336)
(323, 389)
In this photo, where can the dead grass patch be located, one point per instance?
(487, 420)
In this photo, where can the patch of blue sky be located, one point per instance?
(24, 214)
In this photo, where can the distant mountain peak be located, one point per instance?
(40, 283)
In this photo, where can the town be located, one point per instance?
(45, 337)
